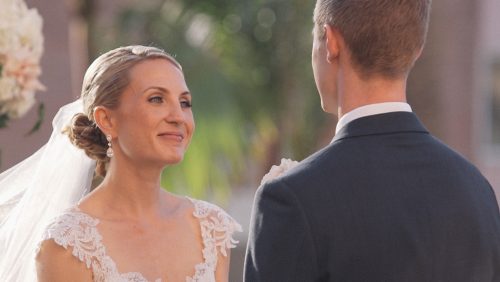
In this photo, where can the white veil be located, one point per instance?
(35, 191)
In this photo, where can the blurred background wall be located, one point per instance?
(248, 66)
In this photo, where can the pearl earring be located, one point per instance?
(109, 152)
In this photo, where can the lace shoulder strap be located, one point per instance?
(77, 230)
(217, 227)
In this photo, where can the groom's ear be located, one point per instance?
(103, 119)
(333, 41)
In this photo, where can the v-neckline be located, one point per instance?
(134, 274)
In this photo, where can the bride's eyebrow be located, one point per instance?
(158, 88)
(164, 90)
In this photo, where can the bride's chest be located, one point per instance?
(169, 251)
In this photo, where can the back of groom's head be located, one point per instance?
(384, 37)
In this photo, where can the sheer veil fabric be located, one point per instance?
(35, 191)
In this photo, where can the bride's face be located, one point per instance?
(154, 122)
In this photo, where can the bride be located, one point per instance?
(136, 120)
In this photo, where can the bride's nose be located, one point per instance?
(175, 114)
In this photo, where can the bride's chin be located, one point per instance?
(173, 160)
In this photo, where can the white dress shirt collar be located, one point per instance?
(373, 109)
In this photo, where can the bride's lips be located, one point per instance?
(175, 136)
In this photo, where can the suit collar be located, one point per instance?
(394, 122)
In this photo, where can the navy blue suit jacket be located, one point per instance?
(385, 201)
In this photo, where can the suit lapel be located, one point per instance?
(394, 122)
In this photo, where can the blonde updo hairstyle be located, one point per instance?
(103, 84)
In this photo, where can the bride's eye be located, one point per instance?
(186, 104)
(156, 99)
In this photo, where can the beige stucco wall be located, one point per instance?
(56, 77)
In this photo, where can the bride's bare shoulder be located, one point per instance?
(55, 263)
(64, 253)
(177, 205)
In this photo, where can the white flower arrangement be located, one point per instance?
(21, 47)
(277, 170)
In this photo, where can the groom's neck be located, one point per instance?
(355, 92)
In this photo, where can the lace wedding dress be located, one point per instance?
(78, 230)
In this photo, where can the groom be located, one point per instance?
(385, 201)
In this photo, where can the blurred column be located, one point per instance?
(486, 146)
(80, 12)
(441, 88)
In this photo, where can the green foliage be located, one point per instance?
(4, 118)
(247, 64)
(208, 164)
(39, 121)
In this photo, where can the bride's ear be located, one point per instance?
(103, 119)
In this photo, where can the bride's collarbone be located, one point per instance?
(145, 230)
(163, 225)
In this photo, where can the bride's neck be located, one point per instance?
(132, 190)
